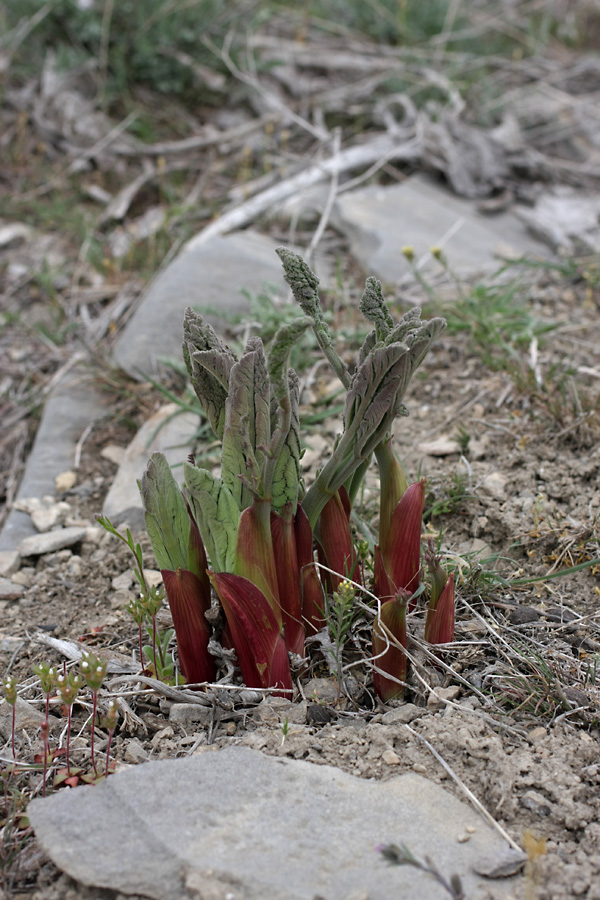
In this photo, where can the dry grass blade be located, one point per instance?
(468, 793)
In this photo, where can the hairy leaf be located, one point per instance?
(285, 483)
(217, 514)
(209, 386)
(374, 308)
(247, 425)
(166, 514)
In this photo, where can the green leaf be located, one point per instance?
(167, 518)
(287, 335)
(285, 456)
(247, 425)
(207, 372)
(217, 514)
(374, 308)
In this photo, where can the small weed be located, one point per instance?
(446, 496)
(497, 321)
(533, 688)
(400, 855)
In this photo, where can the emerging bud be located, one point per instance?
(439, 626)
(288, 578)
(94, 670)
(188, 601)
(335, 540)
(255, 632)
(10, 689)
(400, 559)
(389, 639)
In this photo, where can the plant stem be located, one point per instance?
(94, 709)
(154, 646)
(69, 738)
(110, 737)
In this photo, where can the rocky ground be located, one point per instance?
(503, 423)
(514, 714)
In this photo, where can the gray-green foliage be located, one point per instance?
(167, 518)
(387, 360)
(253, 406)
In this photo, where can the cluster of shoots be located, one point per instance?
(277, 554)
(64, 686)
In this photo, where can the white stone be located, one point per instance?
(65, 481)
(40, 544)
(9, 590)
(114, 453)
(494, 485)
(441, 446)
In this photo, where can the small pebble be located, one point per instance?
(65, 481)
(391, 758)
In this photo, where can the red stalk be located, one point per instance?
(255, 632)
(313, 604)
(188, 602)
(288, 578)
(393, 658)
(336, 548)
(439, 626)
(255, 559)
(401, 557)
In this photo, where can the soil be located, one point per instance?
(513, 712)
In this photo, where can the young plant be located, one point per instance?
(249, 533)
(47, 675)
(93, 670)
(110, 722)
(67, 688)
(439, 625)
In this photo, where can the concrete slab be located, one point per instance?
(240, 825)
(380, 221)
(212, 274)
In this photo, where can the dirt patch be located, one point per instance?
(512, 459)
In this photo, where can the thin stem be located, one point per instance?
(110, 737)
(154, 645)
(69, 739)
(94, 709)
(140, 642)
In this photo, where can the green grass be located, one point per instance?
(497, 321)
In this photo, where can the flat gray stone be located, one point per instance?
(166, 431)
(10, 562)
(73, 405)
(419, 213)
(9, 590)
(27, 719)
(50, 541)
(212, 274)
(236, 824)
